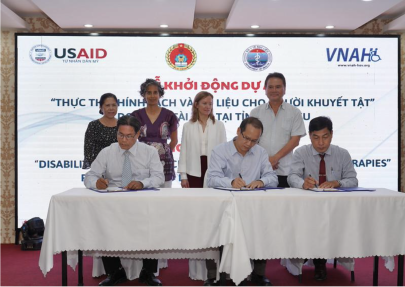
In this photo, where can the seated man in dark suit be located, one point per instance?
(330, 164)
(132, 165)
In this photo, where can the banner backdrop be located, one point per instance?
(60, 78)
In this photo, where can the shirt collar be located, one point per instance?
(234, 150)
(132, 150)
(282, 105)
(314, 152)
(209, 122)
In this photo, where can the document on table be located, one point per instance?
(247, 189)
(356, 189)
(317, 189)
(119, 189)
(342, 189)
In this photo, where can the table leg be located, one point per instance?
(80, 257)
(64, 268)
(400, 270)
(222, 275)
(375, 271)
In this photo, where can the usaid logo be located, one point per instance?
(352, 55)
(40, 54)
(72, 53)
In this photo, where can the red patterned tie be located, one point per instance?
(322, 169)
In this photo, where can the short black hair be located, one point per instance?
(255, 122)
(105, 97)
(275, 75)
(128, 120)
(319, 123)
(151, 82)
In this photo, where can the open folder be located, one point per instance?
(247, 189)
(119, 189)
(342, 189)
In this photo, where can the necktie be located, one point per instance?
(126, 171)
(322, 169)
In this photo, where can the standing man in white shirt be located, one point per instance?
(283, 126)
(132, 165)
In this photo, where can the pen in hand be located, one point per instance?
(316, 186)
(240, 182)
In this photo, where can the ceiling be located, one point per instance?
(240, 15)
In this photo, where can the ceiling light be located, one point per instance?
(250, 35)
(367, 0)
(164, 34)
(88, 25)
(164, 26)
(94, 34)
(254, 26)
(330, 27)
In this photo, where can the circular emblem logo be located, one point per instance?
(40, 54)
(257, 58)
(181, 57)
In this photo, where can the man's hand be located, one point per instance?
(309, 182)
(238, 183)
(330, 184)
(134, 185)
(255, 184)
(184, 183)
(274, 162)
(102, 183)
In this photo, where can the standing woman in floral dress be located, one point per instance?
(158, 125)
(101, 133)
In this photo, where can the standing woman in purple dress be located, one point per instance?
(157, 126)
(101, 133)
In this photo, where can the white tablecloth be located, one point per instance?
(168, 221)
(183, 223)
(296, 223)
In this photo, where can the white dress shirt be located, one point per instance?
(338, 164)
(227, 164)
(190, 151)
(278, 130)
(145, 165)
(204, 138)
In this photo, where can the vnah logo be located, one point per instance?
(352, 55)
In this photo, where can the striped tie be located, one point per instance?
(126, 170)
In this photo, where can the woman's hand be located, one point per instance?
(184, 183)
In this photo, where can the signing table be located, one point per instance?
(168, 223)
(296, 223)
(189, 223)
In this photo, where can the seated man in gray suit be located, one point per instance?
(321, 164)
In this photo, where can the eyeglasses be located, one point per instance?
(249, 139)
(128, 137)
